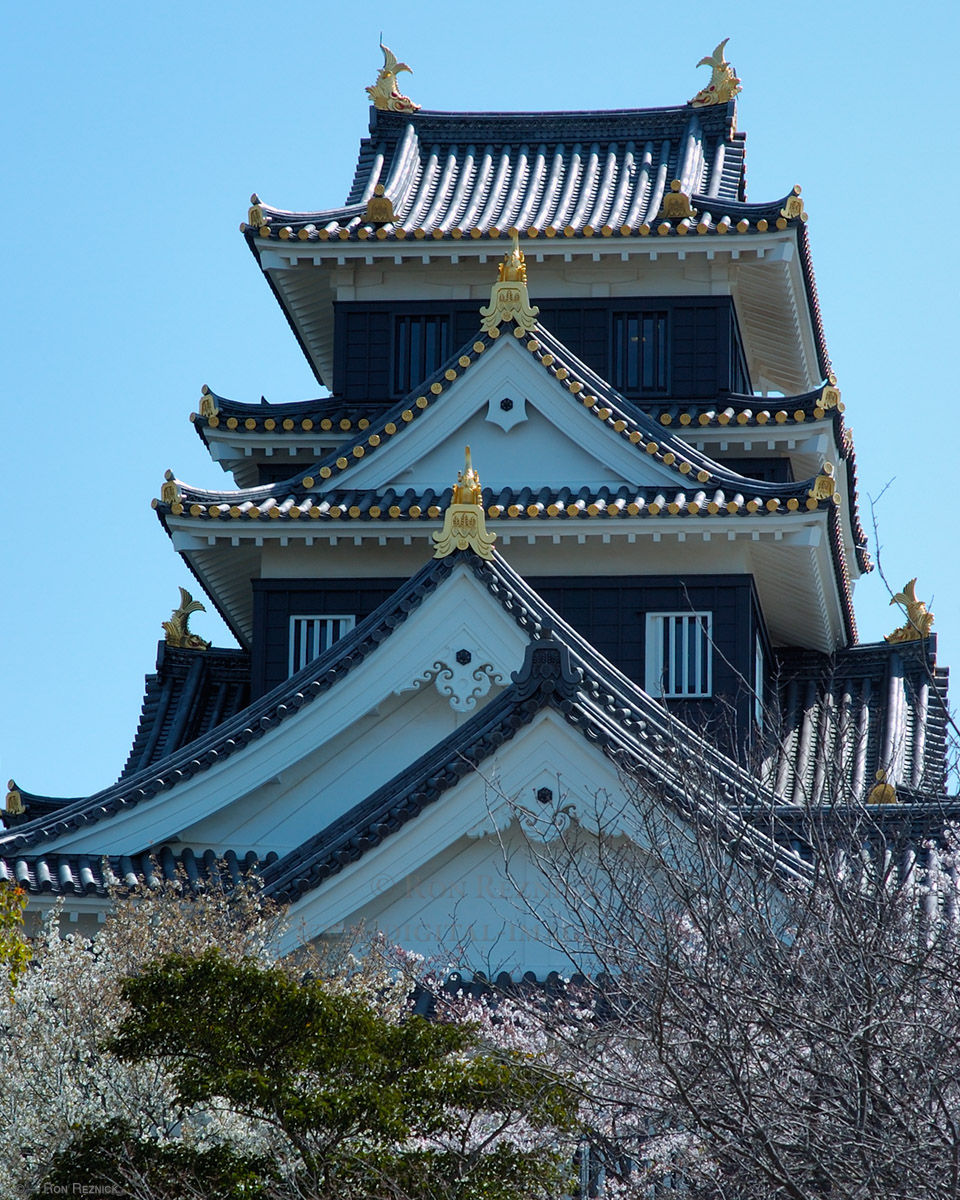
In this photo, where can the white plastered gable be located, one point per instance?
(323, 759)
(524, 429)
(467, 881)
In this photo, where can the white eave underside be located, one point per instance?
(791, 561)
(765, 279)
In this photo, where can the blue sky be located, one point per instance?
(134, 135)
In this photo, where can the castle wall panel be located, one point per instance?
(705, 355)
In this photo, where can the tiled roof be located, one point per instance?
(603, 682)
(520, 503)
(572, 173)
(846, 715)
(299, 417)
(914, 840)
(97, 875)
(61, 816)
(562, 670)
(525, 607)
(610, 717)
(582, 385)
(333, 415)
(704, 488)
(192, 692)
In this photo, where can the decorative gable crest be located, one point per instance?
(509, 300)
(463, 522)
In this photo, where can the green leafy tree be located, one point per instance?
(14, 947)
(362, 1105)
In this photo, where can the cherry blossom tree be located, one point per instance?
(773, 996)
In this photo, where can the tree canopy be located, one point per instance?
(360, 1105)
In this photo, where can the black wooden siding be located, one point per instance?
(704, 348)
(610, 613)
(275, 601)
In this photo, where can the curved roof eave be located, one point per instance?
(525, 606)
(624, 418)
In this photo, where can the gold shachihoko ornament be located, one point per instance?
(176, 629)
(463, 522)
(919, 623)
(509, 300)
(384, 92)
(723, 85)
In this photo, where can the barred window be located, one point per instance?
(680, 655)
(420, 346)
(640, 351)
(311, 635)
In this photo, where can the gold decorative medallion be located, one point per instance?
(379, 208)
(14, 803)
(830, 396)
(464, 527)
(509, 300)
(208, 403)
(255, 214)
(384, 92)
(176, 629)
(676, 204)
(882, 792)
(919, 622)
(723, 85)
(794, 206)
(169, 492)
(825, 484)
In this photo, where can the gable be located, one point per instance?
(466, 881)
(324, 757)
(543, 435)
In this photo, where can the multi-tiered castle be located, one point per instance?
(582, 500)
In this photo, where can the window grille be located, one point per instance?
(680, 655)
(311, 635)
(640, 351)
(420, 346)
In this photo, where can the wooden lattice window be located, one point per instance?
(680, 655)
(311, 635)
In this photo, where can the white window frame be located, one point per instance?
(690, 632)
(323, 628)
(759, 675)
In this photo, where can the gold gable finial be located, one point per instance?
(176, 629)
(463, 522)
(919, 622)
(384, 92)
(509, 300)
(723, 85)
(208, 403)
